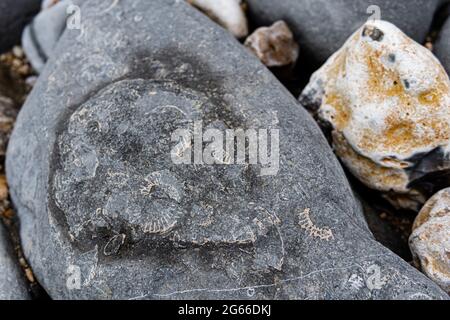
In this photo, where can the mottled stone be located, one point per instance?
(46, 4)
(12, 282)
(385, 229)
(322, 26)
(274, 46)
(41, 36)
(14, 15)
(430, 240)
(385, 98)
(105, 212)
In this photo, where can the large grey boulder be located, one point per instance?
(322, 26)
(12, 283)
(14, 16)
(442, 46)
(106, 213)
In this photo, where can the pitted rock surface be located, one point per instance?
(14, 15)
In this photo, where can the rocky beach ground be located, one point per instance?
(94, 207)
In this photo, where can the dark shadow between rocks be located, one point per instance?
(161, 70)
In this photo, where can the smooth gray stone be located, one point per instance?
(12, 283)
(106, 214)
(42, 34)
(384, 232)
(322, 26)
(442, 46)
(14, 16)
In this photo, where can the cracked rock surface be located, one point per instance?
(105, 213)
(12, 283)
(322, 26)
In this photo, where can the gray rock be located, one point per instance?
(430, 239)
(322, 26)
(382, 229)
(442, 46)
(105, 213)
(14, 16)
(12, 284)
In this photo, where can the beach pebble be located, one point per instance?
(430, 240)
(385, 99)
(228, 13)
(8, 114)
(275, 46)
(14, 16)
(12, 280)
(322, 26)
(42, 34)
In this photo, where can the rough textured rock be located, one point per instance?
(105, 213)
(322, 26)
(42, 34)
(227, 13)
(274, 46)
(386, 99)
(442, 46)
(430, 240)
(12, 284)
(14, 15)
